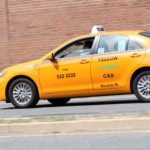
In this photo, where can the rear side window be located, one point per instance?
(112, 43)
(132, 45)
(117, 43)
(147, 34)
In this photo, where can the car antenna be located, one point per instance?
(147, 27)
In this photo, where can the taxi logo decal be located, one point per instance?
(109, 67)
(109, 85)
(108, 59)
(108, 75)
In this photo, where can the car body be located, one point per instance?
(104, 63)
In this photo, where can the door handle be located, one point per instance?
(135, 55)
(84, 61)
(65, 69)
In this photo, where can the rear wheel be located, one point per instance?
(59, 101)
(22, 93)
(141, 86)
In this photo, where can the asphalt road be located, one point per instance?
(105, 141)
(105, 105)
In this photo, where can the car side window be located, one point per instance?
(133, 45)
(78, 48)
(113, 43)
(117, 43)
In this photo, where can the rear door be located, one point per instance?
(116, 57)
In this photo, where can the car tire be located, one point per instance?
(59, 101)
(22, 93)
(141, 86)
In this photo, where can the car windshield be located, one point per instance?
(147, 34)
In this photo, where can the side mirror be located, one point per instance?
(52, 56)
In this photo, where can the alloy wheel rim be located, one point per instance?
(22, 93)
(143, 86)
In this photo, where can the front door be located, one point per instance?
(70, 71)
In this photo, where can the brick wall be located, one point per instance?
(31, 28)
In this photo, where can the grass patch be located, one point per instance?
(41, 119)
(11, 121)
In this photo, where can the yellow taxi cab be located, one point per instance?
(105, 63)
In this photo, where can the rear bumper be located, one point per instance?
(2, 90)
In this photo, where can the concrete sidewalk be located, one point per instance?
(68, 125)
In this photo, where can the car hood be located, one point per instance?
(27, 65)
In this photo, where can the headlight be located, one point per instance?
(2, 73)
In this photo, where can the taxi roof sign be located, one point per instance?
(97, 28)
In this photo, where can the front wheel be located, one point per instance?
(22, 93)
(141, 86)
(59, 101)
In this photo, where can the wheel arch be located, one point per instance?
(139, 70)
(17, 77)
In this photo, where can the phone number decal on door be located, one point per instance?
(67, 75)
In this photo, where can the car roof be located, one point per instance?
(126, 32)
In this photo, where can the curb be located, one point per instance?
(76, 126)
